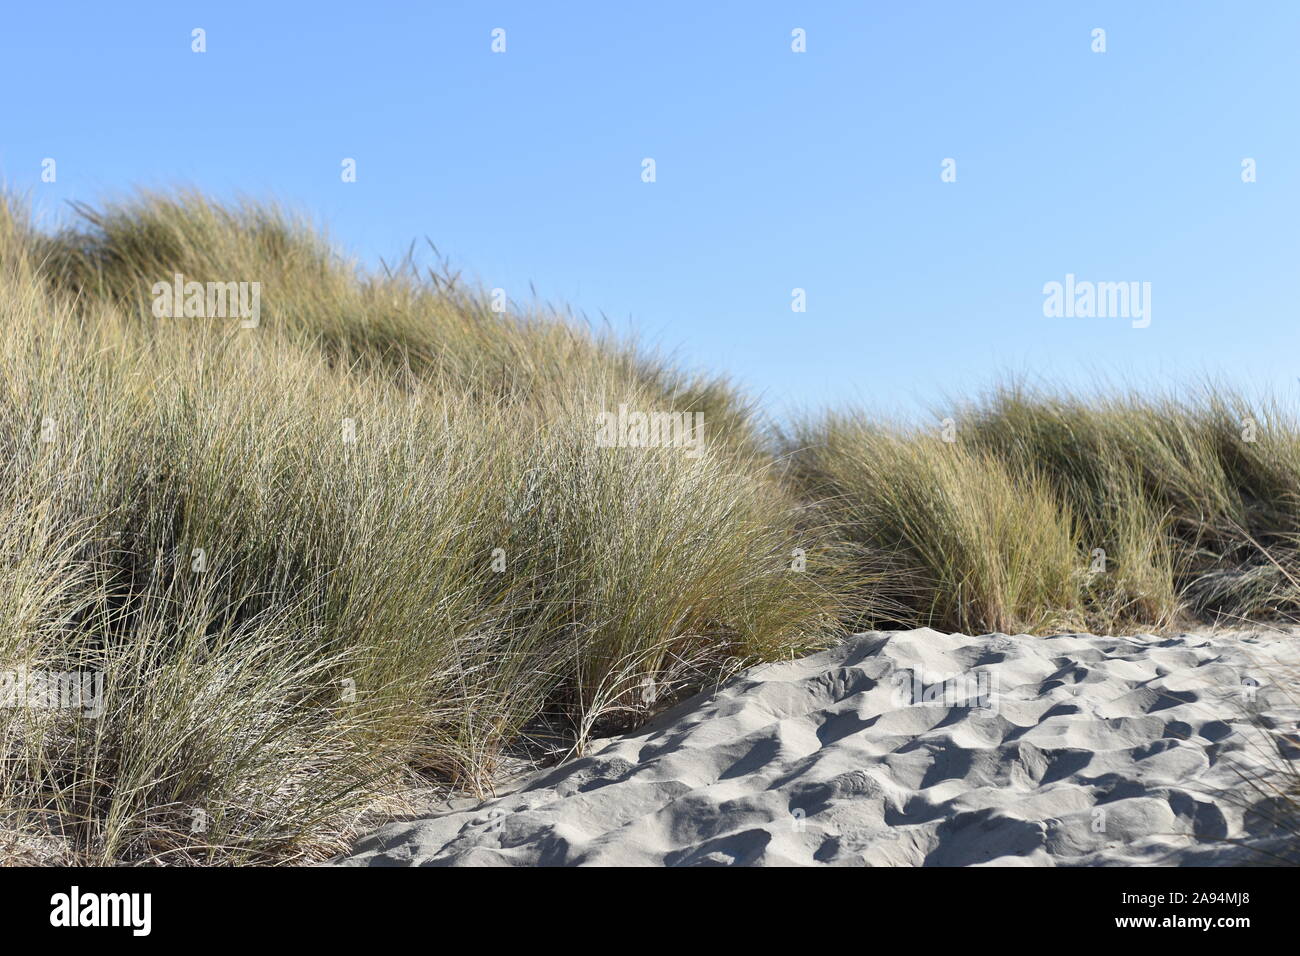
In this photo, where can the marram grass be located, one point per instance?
(1032, 510)
(375, 539)
(372, 537)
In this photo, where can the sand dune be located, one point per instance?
(918, 748)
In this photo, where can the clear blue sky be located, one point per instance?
(775, 170)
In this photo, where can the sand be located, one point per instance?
(1039, 751)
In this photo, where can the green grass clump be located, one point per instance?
(290, 622)
(968, 545)
(1192, 501)
(375, 538)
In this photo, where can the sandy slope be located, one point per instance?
(1086, 750)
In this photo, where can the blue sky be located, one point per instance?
(775, 170)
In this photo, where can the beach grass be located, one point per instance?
(374, 537)
(1029, 509)
(370, 538)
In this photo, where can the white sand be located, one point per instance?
(1097, 750)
